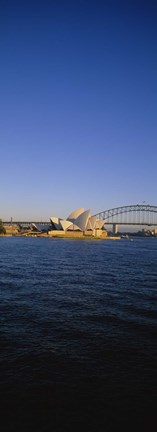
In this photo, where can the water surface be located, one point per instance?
(78, 334)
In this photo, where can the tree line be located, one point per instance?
(2, 229)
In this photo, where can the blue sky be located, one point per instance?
(78, 106)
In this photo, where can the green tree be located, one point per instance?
(2, 229)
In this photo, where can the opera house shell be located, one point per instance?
(78, 220)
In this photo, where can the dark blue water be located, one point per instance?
(78, 335)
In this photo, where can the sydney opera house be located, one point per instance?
(78, 221)
(78, 224)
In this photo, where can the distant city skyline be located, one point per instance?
(78, 106)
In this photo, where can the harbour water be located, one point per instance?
(78, 334)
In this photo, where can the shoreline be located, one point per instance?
(60, 237)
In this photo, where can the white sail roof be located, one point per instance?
(75, 214)
(92, 221)
(40, 227)
(65, 224)
(82, 220)
(99, 224)
(88, 226)
(56, 222)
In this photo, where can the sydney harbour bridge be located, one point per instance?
(138, 214)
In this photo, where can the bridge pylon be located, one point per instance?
(115, 228)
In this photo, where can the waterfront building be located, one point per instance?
(79, 220)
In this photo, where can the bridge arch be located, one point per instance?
(137, 214)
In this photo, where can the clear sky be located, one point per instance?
(78, 106)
